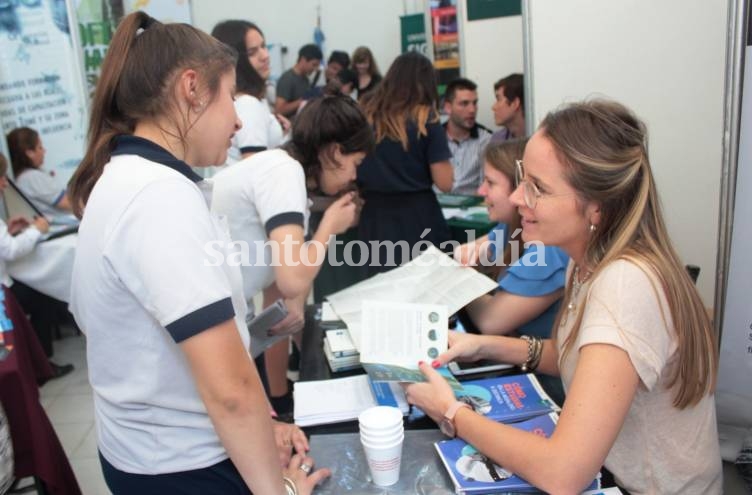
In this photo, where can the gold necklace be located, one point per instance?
(577, 284)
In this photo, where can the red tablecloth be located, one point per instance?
(37, 450)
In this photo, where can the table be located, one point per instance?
(49, 267)
(37, 450)
(421, 470)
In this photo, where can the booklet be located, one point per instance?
(396, 336)
(431, 278)
(473, 472)
(507, 398)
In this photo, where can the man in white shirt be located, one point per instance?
(466, 137)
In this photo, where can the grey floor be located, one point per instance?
(69, 405)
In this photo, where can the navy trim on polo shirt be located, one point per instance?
(252, 149)
(126, 144)
(197, 321)
(287, 218)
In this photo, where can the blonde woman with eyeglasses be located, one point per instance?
(632, 343)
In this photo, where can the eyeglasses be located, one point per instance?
(530, 192)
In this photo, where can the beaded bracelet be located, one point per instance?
(290, 486)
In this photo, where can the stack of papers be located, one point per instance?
(340, 351)
(342, 399)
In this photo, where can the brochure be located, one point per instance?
(473, 472)
(507, 398)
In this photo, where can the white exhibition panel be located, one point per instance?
(492, 49)
(666, 61)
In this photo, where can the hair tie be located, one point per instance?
(146, 22)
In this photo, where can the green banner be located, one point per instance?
(487, 9)
(413, 33)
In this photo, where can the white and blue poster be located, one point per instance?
(40, 80)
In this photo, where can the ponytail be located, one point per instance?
(137, 82)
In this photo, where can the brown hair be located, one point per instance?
(407, 93)
(604, 148)
(21, 140)
(363, 54)
(502, 157)
(325, 121)
(3, 165)
(138, 79)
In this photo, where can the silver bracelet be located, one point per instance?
(534, 353)
(290, 486)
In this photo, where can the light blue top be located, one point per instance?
(538, 272)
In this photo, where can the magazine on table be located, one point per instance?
(507, 398)
(473, 472)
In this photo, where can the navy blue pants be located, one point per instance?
(219, 479)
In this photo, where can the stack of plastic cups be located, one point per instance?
(382, 434)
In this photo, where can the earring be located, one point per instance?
(592, 228)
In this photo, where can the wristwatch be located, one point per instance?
(447, 422)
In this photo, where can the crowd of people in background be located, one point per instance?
(611, 322)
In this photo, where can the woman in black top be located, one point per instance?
(364, 65)
(411, 155)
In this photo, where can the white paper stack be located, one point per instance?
(340, 351)
(341, 399)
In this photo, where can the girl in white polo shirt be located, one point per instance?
(262, 130)
(265, 198)
(179, 405)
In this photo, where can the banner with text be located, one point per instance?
(97, 20)
(40, 86)
(413, 33)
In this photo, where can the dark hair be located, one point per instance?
(138, 79)
(310, 52)
(363, 54)
(407, 93)
(3, 165)
(233, 33)
(514, 87)
(347, 76)
(339, 57)
(21, 140)
(324, 121)
(458, 84)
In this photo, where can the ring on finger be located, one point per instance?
(306, 468)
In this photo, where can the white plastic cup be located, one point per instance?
(384, 462)
(382, 440)
(380, 418)
(384, 432)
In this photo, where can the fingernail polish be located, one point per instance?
(436, 363)
(420, 363)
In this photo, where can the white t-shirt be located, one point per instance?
(660, 449)
(12, 248)
(257, 195)
(141, 285)
(42, 189)
(261, 130)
